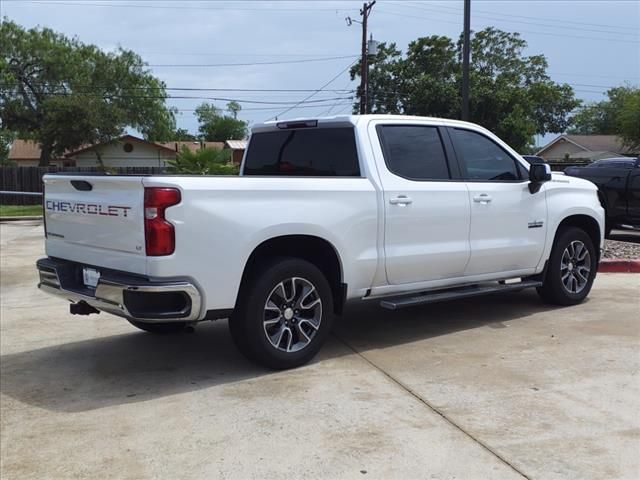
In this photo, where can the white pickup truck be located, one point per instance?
(401, 210)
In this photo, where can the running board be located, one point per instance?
(455, 293)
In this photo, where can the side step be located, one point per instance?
(456, 293)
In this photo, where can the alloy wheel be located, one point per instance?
(292, 314)
(575, 267)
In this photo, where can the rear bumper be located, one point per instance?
(130, 296)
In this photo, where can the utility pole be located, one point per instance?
(364, 64)
(465, 59)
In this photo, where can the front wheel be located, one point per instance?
(283, 314)
(571, 269)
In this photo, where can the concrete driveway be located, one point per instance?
(490, 388)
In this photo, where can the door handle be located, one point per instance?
(400, 200)
(482, 198)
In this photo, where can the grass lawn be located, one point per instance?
(20, 210)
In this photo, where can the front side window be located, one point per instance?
(482, 158)
(319, 152)
(414, 152)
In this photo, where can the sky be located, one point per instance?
(307, 45)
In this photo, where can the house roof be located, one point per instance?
(24, 150)
(236, 144)
(124, 138)
(591, 143)
(191, 145)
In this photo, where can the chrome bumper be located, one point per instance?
(114, 293)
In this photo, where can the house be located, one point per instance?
(237, 148)
(26, 153)
(131, 151)
(126, 151)
(583, 147)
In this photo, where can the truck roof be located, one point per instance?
(348, 119)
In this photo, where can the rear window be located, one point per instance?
(315, 152)
(414, 152)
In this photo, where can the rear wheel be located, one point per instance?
(159, 328)
(571, 269)
(283, 314)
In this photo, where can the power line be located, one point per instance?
(278, 62)
(565, 74)
(252, 109)
(530, 32)
(328, 111)
(306, 99)
(242, 54)
(438, 9)
(88, 89)
(195, 89)
(562, 22)
(180, 97)
(255, 109)
(188, 7)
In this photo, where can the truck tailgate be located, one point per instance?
(97, 220)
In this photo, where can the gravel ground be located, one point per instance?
(626, 250)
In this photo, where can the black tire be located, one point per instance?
(553, 289)
(247, 325)
(159, 328)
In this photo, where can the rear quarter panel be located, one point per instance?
(221, 220)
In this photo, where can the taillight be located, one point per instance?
(160, 236)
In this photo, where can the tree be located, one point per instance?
(234, 108)
(510, 94)
(6, 137)
(63, 93)
(629, 122)
(184, 135)
(217, 127)
(206, 161)
(619, 115)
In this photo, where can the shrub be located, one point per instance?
(206, 161)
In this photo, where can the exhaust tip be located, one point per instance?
(82, 308)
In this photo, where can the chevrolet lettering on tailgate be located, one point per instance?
(87, 208)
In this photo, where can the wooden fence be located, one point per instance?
(29, 179)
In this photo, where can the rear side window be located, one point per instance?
(482, 158)
(414, 152)
(317, 152)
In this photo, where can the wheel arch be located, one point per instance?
(602, 196)
(585, 222)
(316, 250)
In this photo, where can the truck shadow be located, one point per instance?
(120, 369)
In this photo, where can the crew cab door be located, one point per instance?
(633, 194)
(508, 222)
(426, 205)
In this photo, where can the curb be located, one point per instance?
(619, 266)
(16, 219)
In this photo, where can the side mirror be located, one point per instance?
(538, 174)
